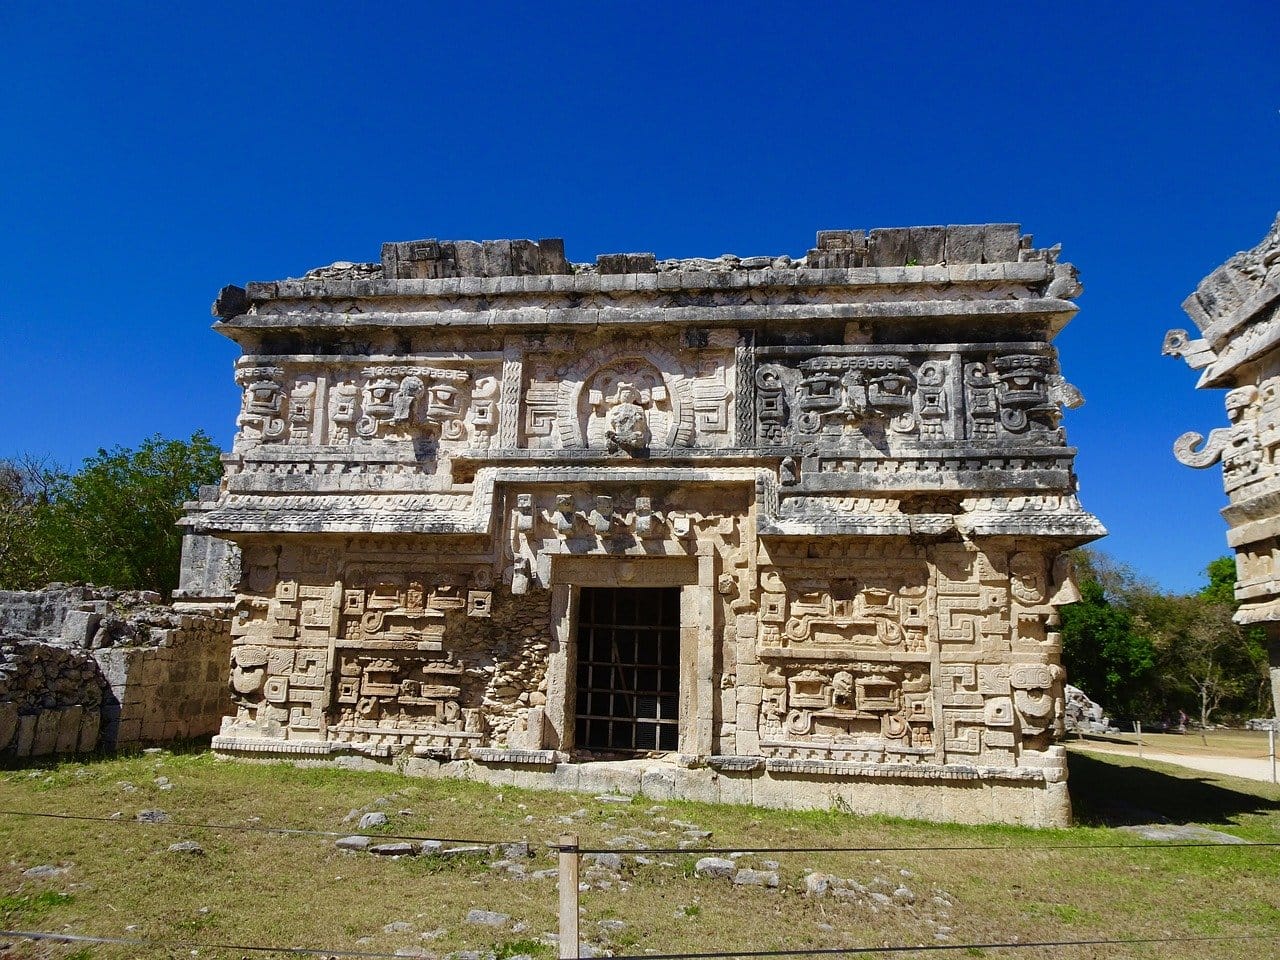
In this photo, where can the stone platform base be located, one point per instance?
(949, 794)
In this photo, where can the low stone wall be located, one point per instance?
(84, 668)
(174, 690)
(51, 699)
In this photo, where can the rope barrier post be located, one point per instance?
(568, 896)
(1271, 746)
(1137, 728)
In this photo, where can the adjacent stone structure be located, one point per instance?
(83, 668)
(1237, 309)
(795, 524)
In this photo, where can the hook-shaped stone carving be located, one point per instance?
(1197, 353)
(1184, 448)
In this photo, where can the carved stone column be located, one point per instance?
(1237, 309)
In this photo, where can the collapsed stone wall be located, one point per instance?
(84, 667)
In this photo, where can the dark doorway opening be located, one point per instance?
(628, 670)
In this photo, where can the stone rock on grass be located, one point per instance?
(606, 861)
(487, 918)
(352, 843)
(402, 849)
(517, 850)
(755, 878)
(187, 846)
(1180, 833)
(371, 820)
(715, 867)
(398, 926)
(152, 816)
(470, 851)
(44, 871)
(817, 884)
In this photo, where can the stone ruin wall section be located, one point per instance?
(851, 466)
(71, 682)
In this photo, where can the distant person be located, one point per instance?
(1182, 721)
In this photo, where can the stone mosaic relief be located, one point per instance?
(863, 531)
(1237, 311)
(387, 654)
(943, 654)
(315, 404)
(630, 396)
(877, 395)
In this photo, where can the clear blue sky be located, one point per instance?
(153, 153)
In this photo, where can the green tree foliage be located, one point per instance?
(1146, 653)
(112, 522)
(1222, 582)
(1104, 655)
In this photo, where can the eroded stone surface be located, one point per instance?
(850, 465)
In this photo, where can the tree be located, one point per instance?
(1159, 652)
(1221, 587)
(1247, 656)
(1101, 650)
(113, 522)
(25, 486)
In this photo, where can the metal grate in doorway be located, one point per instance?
(628, 669)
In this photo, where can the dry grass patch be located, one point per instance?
(267, 888)
(1239, 744)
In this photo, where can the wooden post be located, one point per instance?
(1271, 744)
(568, 896)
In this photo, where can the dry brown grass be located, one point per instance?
(262, 888)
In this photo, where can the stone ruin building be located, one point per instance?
(760, 530)
(1237, 310)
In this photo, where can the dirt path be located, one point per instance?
(1249, 768)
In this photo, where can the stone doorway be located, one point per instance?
(628, 670)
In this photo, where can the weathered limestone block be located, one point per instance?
(799, 520)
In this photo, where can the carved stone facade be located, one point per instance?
(842, 477)
(1237, 309)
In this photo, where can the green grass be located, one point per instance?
(20, 908)
(268, 888)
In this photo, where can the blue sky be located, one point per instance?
(153, 153)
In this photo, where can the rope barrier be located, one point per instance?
(943, 947)
(187, 944)
(1150, 845)
(39, 935)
